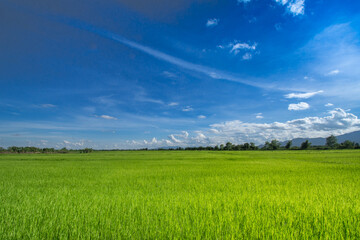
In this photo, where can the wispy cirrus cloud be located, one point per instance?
(333, 72)
(303, 95)
(108, 117)
(173, 104)
(210, 72)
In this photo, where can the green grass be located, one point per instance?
(181, 195)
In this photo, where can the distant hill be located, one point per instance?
(353, 137)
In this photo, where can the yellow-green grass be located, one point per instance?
(181, 195)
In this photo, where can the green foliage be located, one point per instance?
(273, 145)
(347, 145)
(305, 145)
(288, 144)
(181, 195)
(331, 141)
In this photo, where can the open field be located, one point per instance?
(181, 194)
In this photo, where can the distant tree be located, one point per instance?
(357, 145)
(266, 146)
(221, 146)
(305, 145)
(216, 148)
(252, 146)
(228, 146)
(347, 145)
(86, 150)
(246, 146)
(331, 141)
(288, 144)
(274, 144)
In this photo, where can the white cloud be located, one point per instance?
(247, 56)
(237, 47)
(329, 105)
(201, 117)
(172, 104)
(187, 109)
(212, 22)
(333, 72)
(303, 95)
(295, 7)
(259, 116)
(283, 2)
(298, 106)
(108, 117)
(337, 122)
(174, 139)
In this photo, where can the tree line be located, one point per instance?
(14, 149)
(331, 143)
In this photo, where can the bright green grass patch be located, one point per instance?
(181, 195)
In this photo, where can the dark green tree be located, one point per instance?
(331, 141)
(274, 144)
(228, 146)
(305, 145)
(288, 144)
(347, 145)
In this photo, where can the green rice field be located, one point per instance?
(181, 195)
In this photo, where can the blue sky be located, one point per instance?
(133, 74)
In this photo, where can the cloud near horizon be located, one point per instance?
(337, 122)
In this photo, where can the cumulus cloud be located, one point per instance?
(201, 117)
(333, 72)
(303, 95)
(329, 105)
(298, 106)
(259, 116)
(212, 22)
(337, 122)
(297, 7)
(108, 117)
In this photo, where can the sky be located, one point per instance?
(128, 74)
